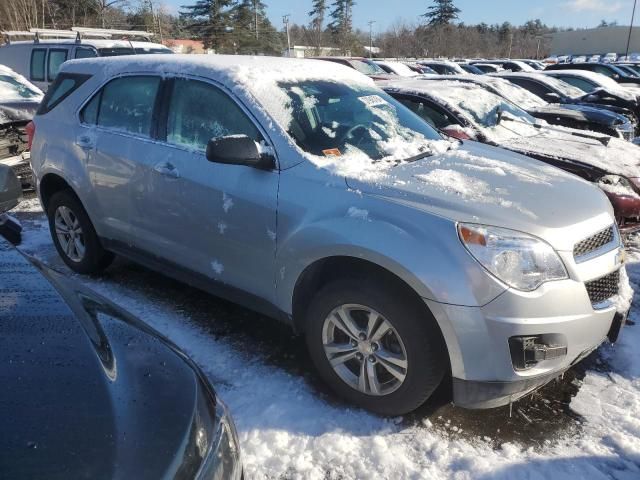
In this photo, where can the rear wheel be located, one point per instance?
(376, 347)
(73, 235)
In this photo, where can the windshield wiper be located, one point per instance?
(420, 156)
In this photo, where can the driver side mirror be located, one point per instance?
(10, 189)
(238, 150)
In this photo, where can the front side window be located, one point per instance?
(85, 53)
(199, 112)
(38, 56)
(534, 87)
(56, 59)
(124, 104)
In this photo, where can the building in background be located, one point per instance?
(595, 41)
(302, 51)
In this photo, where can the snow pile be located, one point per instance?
(625, 292)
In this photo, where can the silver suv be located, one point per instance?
(300, 190)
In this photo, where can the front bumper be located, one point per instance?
(482, 364)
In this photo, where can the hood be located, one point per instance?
(580, 113)
(482, 184)
(23, 111)
(618, 157)
(91, 393)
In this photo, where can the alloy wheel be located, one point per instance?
(69, 234)
(364, 349)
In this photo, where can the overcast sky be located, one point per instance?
(563, 13)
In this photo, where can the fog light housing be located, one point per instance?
(528, 351)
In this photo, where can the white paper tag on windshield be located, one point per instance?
(373, 100)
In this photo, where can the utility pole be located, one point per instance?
(633, 14)
(538, 49)
(285, 20)
(510, 45)
(371, 22)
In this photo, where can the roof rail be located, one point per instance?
(85, 31)
(49, 32)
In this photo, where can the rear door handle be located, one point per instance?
(85, 142)
(167, 169)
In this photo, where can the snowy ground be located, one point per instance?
(584, 426)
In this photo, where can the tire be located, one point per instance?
(420, 343)
(94, 258)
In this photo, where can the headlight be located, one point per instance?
(226, 447)
(617, 185)
(519, 260)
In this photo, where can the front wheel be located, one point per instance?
(376, 347)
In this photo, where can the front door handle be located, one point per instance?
(85, 142)
(167, 169)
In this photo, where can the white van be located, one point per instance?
(40, 60)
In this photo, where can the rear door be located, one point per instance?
(116, 134)
(214, 219)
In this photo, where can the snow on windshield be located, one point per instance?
(563, 87)
(344, 124)
(14, 87)
(518, 95)
(497, 118)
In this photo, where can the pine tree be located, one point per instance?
(210, 21)
(253, 32)
(441, 13)
(342, 24)
(317, 13)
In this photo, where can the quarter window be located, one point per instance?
(199, 112)
(37, 64)
(124, 104)
(56, 59)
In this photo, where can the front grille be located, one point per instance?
(603, 288)
(593, 243)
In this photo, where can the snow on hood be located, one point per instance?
(618, 157)
(11, 92)
(483, 184)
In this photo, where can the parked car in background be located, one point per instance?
(442, 67)
(416, 67)
(634, 67)
(509, 65)
(362, 65)
(396, 68)
(535, 64)
(606, 69)
(40, 60)
(609, 57)
(85, 381)
(19, 100)
(467, 111)
(555, 89)
(301, 190)
(584, 117)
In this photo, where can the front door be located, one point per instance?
(214, 219)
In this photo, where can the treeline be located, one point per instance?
(242, 27)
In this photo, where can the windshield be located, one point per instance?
(368, 68)
(402, 70)
(337, 119)
(497, 118)
(12, 89)
(518, 95)
(564, 88)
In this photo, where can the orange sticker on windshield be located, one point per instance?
(332, 152)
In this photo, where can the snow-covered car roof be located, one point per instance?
(595, 77)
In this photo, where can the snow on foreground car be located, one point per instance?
(467, 111)
(299, 189)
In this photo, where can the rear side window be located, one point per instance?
(38, 56)
(62, 87)
(56, 58)
(124, 104)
